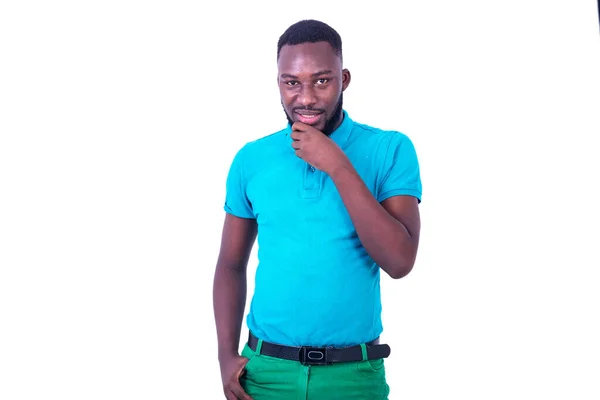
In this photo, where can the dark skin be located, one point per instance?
(311, 77)
(311, 81)
(229, 298)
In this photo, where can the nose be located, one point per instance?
(307, 96)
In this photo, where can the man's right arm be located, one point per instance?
(229, 289)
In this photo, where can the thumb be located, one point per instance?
(242, 367)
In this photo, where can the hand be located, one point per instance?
(317, 149)
(231, 371)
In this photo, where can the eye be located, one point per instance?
(291, 83)
(322, 81)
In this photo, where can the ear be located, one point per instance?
(346, 77)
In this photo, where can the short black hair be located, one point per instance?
(310, 30)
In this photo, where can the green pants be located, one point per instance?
(269, 378)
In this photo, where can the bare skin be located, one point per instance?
(388, 231)
(229, 298)
(311, 81)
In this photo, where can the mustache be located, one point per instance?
(308, 109)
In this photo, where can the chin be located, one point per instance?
(319, 127)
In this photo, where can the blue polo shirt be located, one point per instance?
(315, 284)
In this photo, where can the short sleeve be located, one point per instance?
(236, 200)
(400, 174)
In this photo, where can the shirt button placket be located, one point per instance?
(311, 182)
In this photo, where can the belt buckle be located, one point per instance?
(314, 355)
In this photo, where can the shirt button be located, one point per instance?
(312, 169)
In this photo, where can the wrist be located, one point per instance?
(227, 354)
(340, 170)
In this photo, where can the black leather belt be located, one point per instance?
(320, 355)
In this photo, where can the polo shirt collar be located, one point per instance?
(340, 135)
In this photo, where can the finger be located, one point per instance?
(237, 390)
(242, 369)
(297, 135)
(299, 127)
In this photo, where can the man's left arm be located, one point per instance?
(388, 226)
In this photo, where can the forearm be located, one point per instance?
(385, 238)
(229, 301)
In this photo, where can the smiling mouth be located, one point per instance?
(308, 117)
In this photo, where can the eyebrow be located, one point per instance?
(324, 72)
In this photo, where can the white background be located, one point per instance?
(119, 119)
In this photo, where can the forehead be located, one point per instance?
(308, 58)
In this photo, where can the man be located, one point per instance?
(332, 202)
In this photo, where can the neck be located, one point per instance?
(335, 122)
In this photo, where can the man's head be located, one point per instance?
(310, 74)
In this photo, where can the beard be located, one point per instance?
(330, 124)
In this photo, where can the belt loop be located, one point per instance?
(259, 347)
(363, 347)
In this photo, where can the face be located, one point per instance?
(311, 81)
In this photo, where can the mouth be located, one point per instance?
(308, 117)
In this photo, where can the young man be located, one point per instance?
(332, 202)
